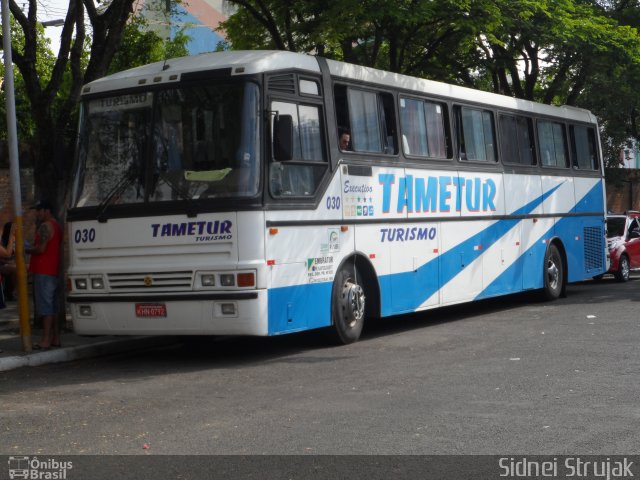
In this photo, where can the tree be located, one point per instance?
(51, 108)
(45, 60)
(546, 50)
(612, 92)
(141, 46)
(406, 36)
(575, 52)
(52, 85)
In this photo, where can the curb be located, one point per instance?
(83, 351)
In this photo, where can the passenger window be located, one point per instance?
(301, 175)
(475, 135)
(422, 126)
(583, 148)
(553, 146)
(368, 117)
(516, 140)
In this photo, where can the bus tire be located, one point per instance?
(553, 273)
(622, 274)
(347, 305)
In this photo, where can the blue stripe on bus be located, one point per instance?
(448, 265)
(567, 229)
(593, 201)
(304, 307)
(299, 307)
(534, 258)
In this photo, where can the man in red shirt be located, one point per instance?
(45, 267)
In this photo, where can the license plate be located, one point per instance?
(151, 310)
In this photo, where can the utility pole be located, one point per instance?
(12, 139)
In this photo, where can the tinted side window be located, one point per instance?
(364, 116)
(423, 128)
(301, 175)
(476, 141)
(516, 140)
(369, 119)
(583, 147)
(553, 146)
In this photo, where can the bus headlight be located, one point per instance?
(80, 283)
(225, 280)
(97, 283)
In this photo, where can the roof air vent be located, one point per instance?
(283, 83)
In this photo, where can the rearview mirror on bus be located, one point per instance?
(283, 138)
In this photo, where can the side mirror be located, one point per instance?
(283, 138)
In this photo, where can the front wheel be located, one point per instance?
(553, 273)
(348, 305)
(622, 274)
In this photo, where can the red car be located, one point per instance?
(623, 241)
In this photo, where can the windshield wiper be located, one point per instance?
(120, 187)
(191, 203)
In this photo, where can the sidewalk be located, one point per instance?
(74, 347)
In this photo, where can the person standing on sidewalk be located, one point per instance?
(45, 267)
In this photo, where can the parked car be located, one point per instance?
(623, 241)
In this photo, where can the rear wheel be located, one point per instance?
(348, 304)
(553, 273)
(622, 274)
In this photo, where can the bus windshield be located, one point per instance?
(169, 145)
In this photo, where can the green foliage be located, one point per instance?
(141, 46)
(576, 52)
(44, 65)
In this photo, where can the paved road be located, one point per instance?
(508, 376)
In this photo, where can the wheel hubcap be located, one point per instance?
(625, 268)
(552, 274)
(352, 303)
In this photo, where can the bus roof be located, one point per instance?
(259, 61)
(240, 62)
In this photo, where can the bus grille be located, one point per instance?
(593, 248)
(151, 281)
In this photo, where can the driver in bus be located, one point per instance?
(344, 139)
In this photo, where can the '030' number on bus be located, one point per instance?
(85, 235)
(333, 203)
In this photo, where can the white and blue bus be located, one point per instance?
(211, 196)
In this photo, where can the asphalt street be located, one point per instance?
(507, 376)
